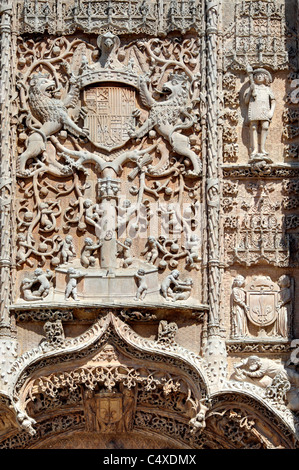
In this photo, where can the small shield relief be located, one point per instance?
(262, 307)
(109, 115)
(109, 409)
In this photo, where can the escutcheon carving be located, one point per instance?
(262, 309)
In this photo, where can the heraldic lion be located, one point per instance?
(51, 113)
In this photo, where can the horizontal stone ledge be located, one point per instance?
(268, 171)
(88, 312)
(258, 345)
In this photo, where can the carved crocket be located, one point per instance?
(51, 113)
(170, 116)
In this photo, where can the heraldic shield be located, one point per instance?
(109, 115)
(104, 412)
(262, 309)
(262, 298)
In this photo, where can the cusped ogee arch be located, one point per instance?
(109, 379)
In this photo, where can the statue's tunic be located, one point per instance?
(259, 107)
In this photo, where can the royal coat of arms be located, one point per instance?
(109, 115)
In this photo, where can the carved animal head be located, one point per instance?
(108, 45)
(42, 84)
(177, 85)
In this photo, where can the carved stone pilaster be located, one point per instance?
(8, 345)
(215, 347)
(212, 184)
(5, 166)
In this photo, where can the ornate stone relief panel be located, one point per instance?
(149, 223)
(109, 172)
(259, 217)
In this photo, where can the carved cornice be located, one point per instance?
(120, 17)
(144, 313)
(264, 172)
(250, 347)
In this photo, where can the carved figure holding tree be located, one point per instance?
(87, 254)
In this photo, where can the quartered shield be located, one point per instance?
(109, 116)
(262, 307)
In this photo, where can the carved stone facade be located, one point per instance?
(149, 224)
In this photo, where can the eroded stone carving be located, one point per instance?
(142, 287)
(258, 370)
(71, 287)
(239, 308)
(174, 289)
(167, 332)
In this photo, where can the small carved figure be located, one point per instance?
(152, 249)
(142, 285)
(193, 246)
(71, 287)
(47, 220)
(68, 249)
(261, 105)
(284, 306)
(238, 308)
(24, 420)
(41, 282)
(128, 408)
(108, 45)
(125, 252)
(198, 423)
(44, 281)
(24, 250)
(183, 290)
(87, 258)
(167, 332)
(92, 214)
(169, 282)
(26, 285)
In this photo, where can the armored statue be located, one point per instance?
(261, 105)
